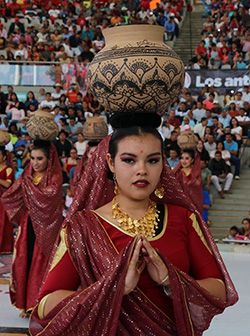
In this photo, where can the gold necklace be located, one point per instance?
(37, 178)
(146, 225)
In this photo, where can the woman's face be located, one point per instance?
(137, 165)
(73, 154)
(234, 122)
(220, 146)
(199, 145)
(186, 160)
(246, 225)
(39, 160)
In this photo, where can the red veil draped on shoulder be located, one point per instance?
(102, 271)
(43, 202)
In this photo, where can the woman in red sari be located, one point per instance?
(188, 173)
(6, 228)
(35, 202)
(137, 264)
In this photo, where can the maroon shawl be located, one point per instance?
(44, 202)
(102, 271)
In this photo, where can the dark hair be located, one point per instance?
(245, 219)
(43, 145)
(220, 142)
(190, 152)
(129, 124)
(234, 227)
(122, 133)
(218, 152)
(3, 150)
(231, 123)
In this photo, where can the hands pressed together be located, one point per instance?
(145, 256)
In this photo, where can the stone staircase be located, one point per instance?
(230, 211)
(190, 34)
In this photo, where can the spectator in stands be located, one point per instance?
(201, 150)
(225, 154)
(236, 130)
(210, 144)
(174, 157)
(232, 147)
(166, 129)
(31, 100)
(206, 181)
(199, 112)
(58, 92)
(208, 103)
(220, 174)
(48, 102)
(224, 118)
(246, 228)
(75, 127)
(200, 128)
(171, 143)
(173, 119)
(63, 146)
(80, 144)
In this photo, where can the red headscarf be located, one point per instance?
(44, 202)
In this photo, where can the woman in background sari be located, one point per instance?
(35, 202)
(6, 228)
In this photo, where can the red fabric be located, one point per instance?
(194, 258)
(102, 271)
(6, 228)
(43, 203)
(191, 184)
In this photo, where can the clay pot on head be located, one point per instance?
(187, 139)
(42, 126)
(95, 128)
(136, 71)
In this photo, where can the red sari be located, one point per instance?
(191, 184)
(99, 307)
(6, 228)
(38, 209)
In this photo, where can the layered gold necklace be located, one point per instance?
(146, 225)
(37, 178)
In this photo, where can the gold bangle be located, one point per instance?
(164, 279)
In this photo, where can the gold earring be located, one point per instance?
(159, 192)
(116, 190)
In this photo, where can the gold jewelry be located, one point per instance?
(36, 179)
(159, 192)
(146, 225)
(116, 190)
(165, 279)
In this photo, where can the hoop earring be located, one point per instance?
(159, 192)
(116, 190)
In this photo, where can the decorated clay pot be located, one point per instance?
(187, 139)
(136, 71)
(41, 125)
(95, 128)
(4, 138)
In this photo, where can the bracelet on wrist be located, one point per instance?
(164, 279)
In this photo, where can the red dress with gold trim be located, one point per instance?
(181, 241)
(6, 228)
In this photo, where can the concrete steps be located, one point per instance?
(230, 211)
(190, 34)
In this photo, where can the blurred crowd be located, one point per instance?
(225, 37)
(62, 31)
